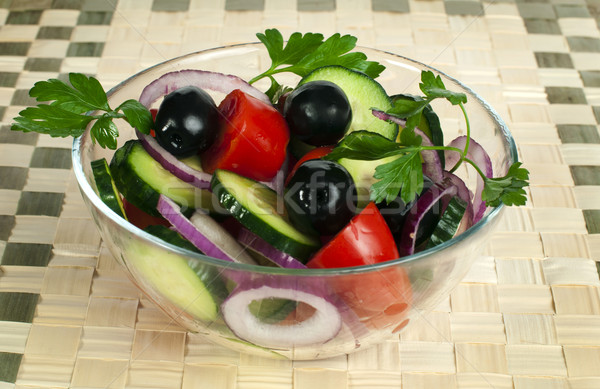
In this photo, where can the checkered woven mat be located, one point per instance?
(526, 316)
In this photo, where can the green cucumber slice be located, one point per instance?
(362, 173)
(272, 310)
(107, 191)
(258, 208)
(210, 276)
(449, 222)
(141, 179)
(170, 275)
(364, 93)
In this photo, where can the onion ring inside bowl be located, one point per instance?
(322, 326)
(202, 79)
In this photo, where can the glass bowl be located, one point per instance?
(354, 307)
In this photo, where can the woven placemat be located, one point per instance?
(526, 316)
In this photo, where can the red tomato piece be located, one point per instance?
(380, 298)
(364, 241)
(141, 219)
(316, 153)
(153, 112)
(252, 140)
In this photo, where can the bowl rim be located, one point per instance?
(489, 217)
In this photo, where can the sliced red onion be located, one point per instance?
(432, 166)
(203, 232)
(436, 196)
(477, 154)
(253, 242)
(321, 326)
(465, 194)
(385, 116)
(179, 169)
(214, 81)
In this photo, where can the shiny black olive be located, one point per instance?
(395, 214)
(320, 197)
(318, 112)
(187, 121)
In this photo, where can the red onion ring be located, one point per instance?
(203, 232)
(435, 195)
(184, 172)
(432, 166)
(214, 81)
(253, 242)
(477, 154)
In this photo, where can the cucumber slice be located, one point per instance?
(107, 191)
(364, 93)
(272, 310)
(171, 275)
(211, 278)
(449, 222)
(141, 180)
(362, 173)
(255, 206)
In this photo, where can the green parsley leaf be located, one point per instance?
(85, 94)
(51, 120)
(364, 145)
(305, 53)
(406, 108)
(508, 189)
(67, 110)
(136, 115)
(433, 87)
(408, 136)
(402, 175)
(105, 132)
(296, 48)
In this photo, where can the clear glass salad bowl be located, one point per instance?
(337, 310)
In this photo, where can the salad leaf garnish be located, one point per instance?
(403, 175)
(508, 189)
(63, 111)
(305, 52)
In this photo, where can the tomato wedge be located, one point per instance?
(364, 241)
(141, 219)
(315, 153)
(252, 140)
(380, 298)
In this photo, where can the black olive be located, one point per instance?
(318, 112)
(187, 121)
(320, 197)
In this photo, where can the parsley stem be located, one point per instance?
(477, 168)
(252, 81)
(463, 153)
(269, 73)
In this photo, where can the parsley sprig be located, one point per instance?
(303, 53)
(403, 175)
(67, 110)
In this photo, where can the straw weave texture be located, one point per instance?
(526, 316)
